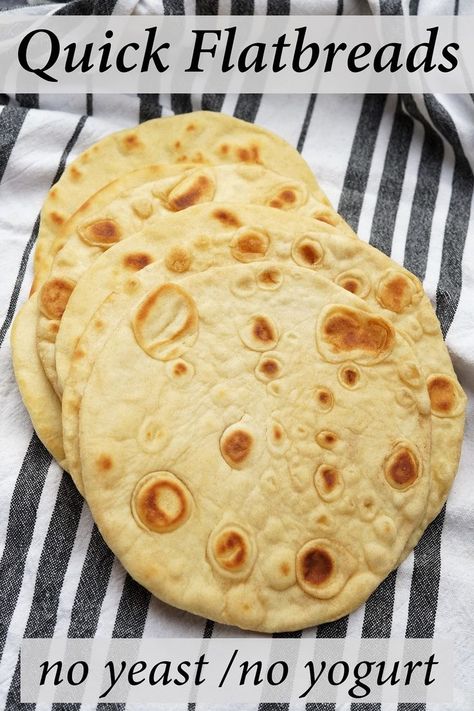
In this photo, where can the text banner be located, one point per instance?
(186, 54)
(240, 670)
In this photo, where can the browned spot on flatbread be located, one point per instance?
(328, 217)
(288, 196)
(324, 399)
(263, 330)
(178, 260)
(396, 291)
(316, 566)
(180, 369)
(260, 333)
(270, 278)
(329, 482)
(349, 376)
(323, 520)
(137, 260)
(270, 367)
(57, 218)
(310, 254)
(236, 446)
(355, 281)
(326, 439)
(444, 397)
(249, 245)
(402, 467)
(166, 322)
(277, 432)
(131, 141)
(147, 305)
(307, 252)
(350, 285)
(226, 218)
(329, 476)
(284, 199)
(101, 233)
(191, 190)
(253, 243)
(75, 172)
(162, 504)
(248, 155)
(104, 463)
(346, 330)
(231, 550)
(395, 294)
(284, 569)
(54, 296)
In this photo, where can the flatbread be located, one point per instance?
(37, 394)
(232, 463)
(207, 236)
(272, 189)
(91, 231)
(198, 137)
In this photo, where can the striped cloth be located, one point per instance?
(400, 170)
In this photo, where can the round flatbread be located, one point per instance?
(37, 394)
(92, 230)
(207, 236)
(247, 451)
(198, 137)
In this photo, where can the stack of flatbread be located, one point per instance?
(258, 407)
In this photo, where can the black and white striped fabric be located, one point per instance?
(400, 170)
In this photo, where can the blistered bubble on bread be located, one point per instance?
(260, 333)
(355, 281)
(446, 397)
(199, 187)
(166, 322)
(398, 291)
(161, 502)
(54, 296)
(345, 333)
(101, 233)
(402, 467)
(323, 567)
(231, 551)
(249, 245)
(308, 252)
